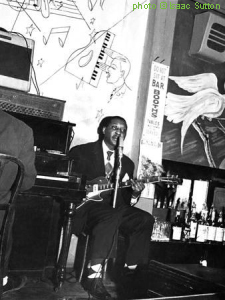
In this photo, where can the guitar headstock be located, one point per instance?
(171, 180)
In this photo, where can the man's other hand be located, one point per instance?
(137, 187)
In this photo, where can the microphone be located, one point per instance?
(120, 146)
(118, 167)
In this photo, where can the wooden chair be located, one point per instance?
(84, 260)
(9, 209)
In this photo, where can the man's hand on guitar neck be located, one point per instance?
(137, 187)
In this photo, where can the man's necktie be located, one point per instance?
(108, 166)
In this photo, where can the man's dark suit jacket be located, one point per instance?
(16, 139)
(88, 159)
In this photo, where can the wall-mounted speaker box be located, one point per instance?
(208, 38)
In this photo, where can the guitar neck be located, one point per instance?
(100, 184)
(152, 179)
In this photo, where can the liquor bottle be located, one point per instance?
(219, 229)
(212, 228)
(193, 223)
(177, 204)
(176, 227)
(165, 202)
(201, 227)
(170, 202)
(155, 202)
(208, 222)
(159, 203)
(186, 227)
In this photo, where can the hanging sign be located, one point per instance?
(151, 147)
(156, 102)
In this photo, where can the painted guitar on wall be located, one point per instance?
(99, 185)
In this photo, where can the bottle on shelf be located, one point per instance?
(193, 223)
(219, 229)
(165, 202)
(212, 227)
(177, 204)
(186, 227)
(208, 222)
(176, 227)
(155, 202)
(170, 205)
(201, 235)
(159, 203)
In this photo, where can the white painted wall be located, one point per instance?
(75, 23)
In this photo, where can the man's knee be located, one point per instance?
(148, 219)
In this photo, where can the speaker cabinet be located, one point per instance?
(208, 38)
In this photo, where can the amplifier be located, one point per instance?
(30, 104)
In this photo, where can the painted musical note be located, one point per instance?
(92, 3)
(60, 32)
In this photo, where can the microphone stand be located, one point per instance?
(118, 169)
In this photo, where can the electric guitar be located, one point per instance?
(99, 185)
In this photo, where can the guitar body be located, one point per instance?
(97, 186)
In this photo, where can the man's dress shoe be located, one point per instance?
(96, 288)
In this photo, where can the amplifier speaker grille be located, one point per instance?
(26, 111)
(29, 104)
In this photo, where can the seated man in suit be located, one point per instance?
(16, 139)
(101, 218)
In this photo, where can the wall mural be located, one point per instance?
(194, 128)
(206, 102)
(87, 53)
